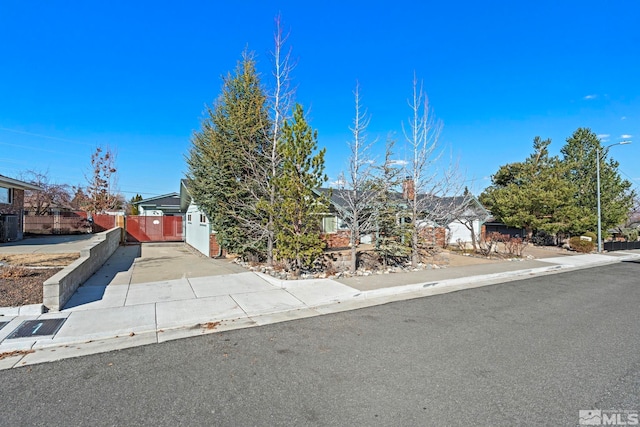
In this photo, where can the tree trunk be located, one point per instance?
(270, 242)
(270, 230)
(474, 242)
(414, 250)
(354, 258)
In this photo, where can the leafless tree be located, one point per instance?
(281, 103)
(266, 164)
(79, 201)
(357, 193)
(427, 180)
(102, 190)
(52, 195)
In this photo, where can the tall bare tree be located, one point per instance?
(102, 188)
(427, 179)
(266, 165)
(52, 194)
(357, 193)
(281, 101)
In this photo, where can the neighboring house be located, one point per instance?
(165, 205)
(469, 218)
(197, 228)
(199, 235)
(49, 209)
(12, 207)
(335, 231)
(494, 226)
(457, 215)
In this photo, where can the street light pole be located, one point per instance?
(598, 184)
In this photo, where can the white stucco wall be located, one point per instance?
(457, 231)
(196, 233)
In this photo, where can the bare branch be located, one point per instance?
(357, 194)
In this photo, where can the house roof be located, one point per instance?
(5, 181)
(185, 196)
(171, 200)
(442, 206)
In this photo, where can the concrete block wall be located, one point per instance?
(59, 288)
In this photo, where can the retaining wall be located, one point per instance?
(60, 287)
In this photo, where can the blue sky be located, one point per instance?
(136, 76)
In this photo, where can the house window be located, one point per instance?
(329, 224)
(189, 217)
(5, 195)
(203, 219)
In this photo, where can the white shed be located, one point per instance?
(197, 229)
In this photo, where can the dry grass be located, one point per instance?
(39, 260)
(15, 272)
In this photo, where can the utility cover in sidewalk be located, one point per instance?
(3, 324)
(37, 328)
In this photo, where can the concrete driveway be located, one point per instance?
(47, 244)
(169, 261)
(141, 263)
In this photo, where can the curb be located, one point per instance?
(24, 310)
(80, 346)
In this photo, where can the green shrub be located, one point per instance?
(583, 246)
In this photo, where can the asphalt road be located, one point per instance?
(532, 352)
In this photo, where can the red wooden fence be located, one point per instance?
(154, 228)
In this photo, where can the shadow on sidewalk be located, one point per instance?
(116, 271)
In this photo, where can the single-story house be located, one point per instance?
(164, 205)
(456, 215)
(48, 209)
(197, 227)
(12, 207)
(469, 217)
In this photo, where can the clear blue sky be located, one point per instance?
(136, 75)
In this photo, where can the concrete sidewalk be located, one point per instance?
(118, 309)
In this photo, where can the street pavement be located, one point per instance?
(124, 304)
(534, 352)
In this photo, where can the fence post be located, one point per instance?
(121, 222)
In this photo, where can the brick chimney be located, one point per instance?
(408, 188)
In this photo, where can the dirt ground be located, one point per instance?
(532, 252)
(21, 283)
(22, 275)
(39, 260)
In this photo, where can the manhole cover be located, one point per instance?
(3, 324)
(37, 328)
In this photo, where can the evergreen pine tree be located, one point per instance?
(223, 170)
(579, 158)
(392, 237)
(298, 223)
(534, 194)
